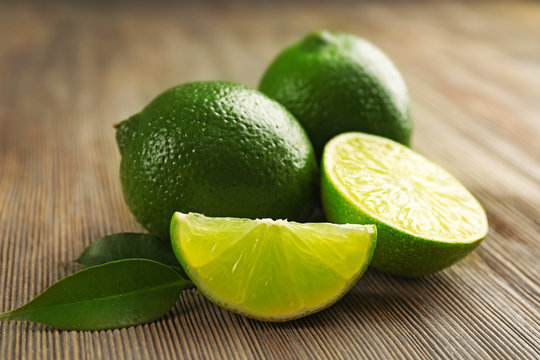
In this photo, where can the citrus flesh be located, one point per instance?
(426, 219)
(334, 82)
(216, 148)
(271, 270)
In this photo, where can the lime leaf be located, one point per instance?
(113, 295)
(128, 246)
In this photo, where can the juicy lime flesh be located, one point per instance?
(271, 270)
(401, 188)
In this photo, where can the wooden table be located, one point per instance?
(68, 72)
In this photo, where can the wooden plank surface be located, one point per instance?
(68, 72)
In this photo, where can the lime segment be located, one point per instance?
(271, 270)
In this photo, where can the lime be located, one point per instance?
(334, 82)
(426, 219)
(216, 148)
(271, 270)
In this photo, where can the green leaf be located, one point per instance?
(113, 295)
(128, 246)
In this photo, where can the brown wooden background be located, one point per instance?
(69, 71)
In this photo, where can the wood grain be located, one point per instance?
(69, 71)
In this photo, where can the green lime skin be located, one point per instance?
(334, 83)
(397, 253)
(216, 148)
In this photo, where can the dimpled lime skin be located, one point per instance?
(219, 149)
(334, 83)
(397, 253)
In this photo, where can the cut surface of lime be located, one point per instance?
(415, 203)
(271, 270)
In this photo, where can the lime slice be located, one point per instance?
(271, 270)
(426, 219)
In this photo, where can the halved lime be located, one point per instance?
(271, 270)
(426, 219)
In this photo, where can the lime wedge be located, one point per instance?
(426, 219)
(271, 270)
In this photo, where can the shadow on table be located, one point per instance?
(377, 298)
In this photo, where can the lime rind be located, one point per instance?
(271, 270)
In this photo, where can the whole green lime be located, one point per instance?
(219, 149)
(333, 83)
